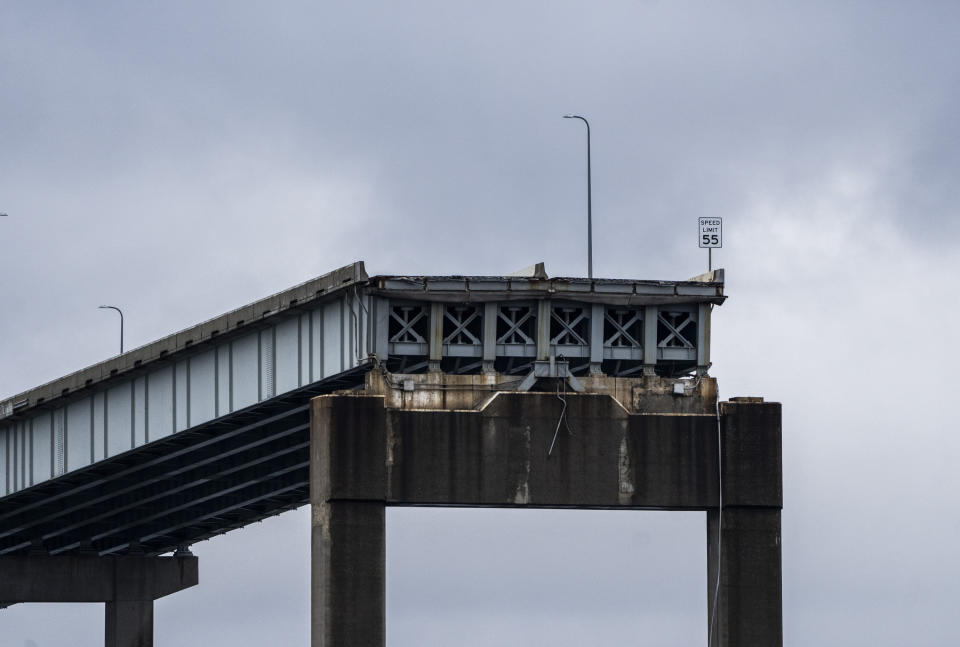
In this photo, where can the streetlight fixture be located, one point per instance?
(589, 200)
(121, 324)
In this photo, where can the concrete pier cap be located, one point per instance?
(474, 440)
(127, 584)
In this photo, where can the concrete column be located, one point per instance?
(749, 607)
(348, 574)
(747, 532)
(348, 536)
(129, 623)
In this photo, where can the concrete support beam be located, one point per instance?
(498, 456)
(127, 584)
(365, 457)
(88, 578)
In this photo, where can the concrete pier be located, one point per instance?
(367, 455)
(749, 608)
(348, 573)
(129, 623)
(127, 585)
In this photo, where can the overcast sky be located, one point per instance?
(180, 159)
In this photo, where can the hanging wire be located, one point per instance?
(562, 417)
(566, 419)
(716, 590)
(562, 399)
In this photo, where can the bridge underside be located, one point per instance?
(176, 491)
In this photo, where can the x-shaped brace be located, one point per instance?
(621, 330)
(514, 326)
(407, 324)
(461, 327)
(674, 329)
(569, 327)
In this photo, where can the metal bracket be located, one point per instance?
(552, 368)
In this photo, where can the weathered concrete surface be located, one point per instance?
(498, 456)
(348, 573)
(365, 457)
(88, 578)
(129, 623)
(450, 392)
(749, 609)
(752, 453)
(127, 584)
(348, 522)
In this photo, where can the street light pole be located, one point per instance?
(589, 200)
(121, 324)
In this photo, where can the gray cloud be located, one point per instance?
(180, 160)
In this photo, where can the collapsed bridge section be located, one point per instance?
(212, 428)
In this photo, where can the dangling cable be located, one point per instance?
(560, 419)
(563, 383)
(716, 590)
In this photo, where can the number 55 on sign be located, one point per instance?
(711, 232)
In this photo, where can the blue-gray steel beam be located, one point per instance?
(543, 329)
(650, 317)
(194, 486)
(435, 338)
(703, 338)
(163, 458)
(489, 336)
(597, 311)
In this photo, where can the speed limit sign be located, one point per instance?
(711, 232)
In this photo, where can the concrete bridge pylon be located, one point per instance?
(440, 440)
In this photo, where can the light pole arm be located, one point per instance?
(589, 199)
(121, 324)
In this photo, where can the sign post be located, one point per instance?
(711, 235)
